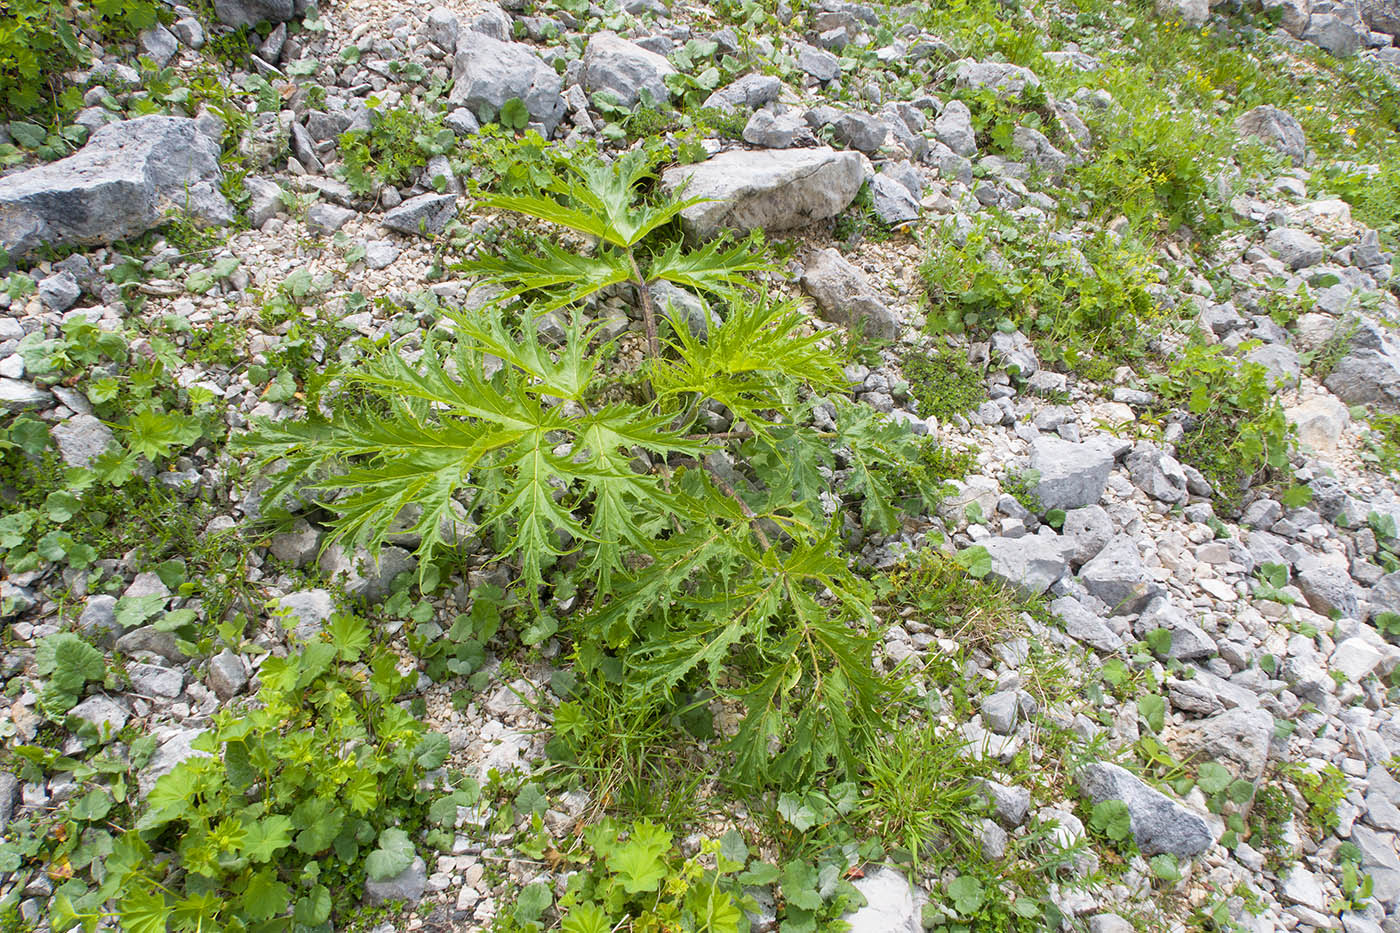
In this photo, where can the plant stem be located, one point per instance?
(648, 313)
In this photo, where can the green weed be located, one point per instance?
(1240, 434)
(944, 383)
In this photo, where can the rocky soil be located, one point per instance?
(1252, 628)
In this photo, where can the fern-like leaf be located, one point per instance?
(751, 363)
(548, 480)
(563, 276)
(715, 267)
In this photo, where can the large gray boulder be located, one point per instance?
(1159, 823)
(251, 12)
(1276, 128)
(1331, 32)
(128, 179)
(1071, 475)
(776, 189)
(845, 296)
(1382, 15)
(625, 70)
(488, 72)
(1367, 377)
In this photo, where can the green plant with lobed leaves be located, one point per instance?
(298, 798)
(39, 42)
(731, 580)
(1240, 436)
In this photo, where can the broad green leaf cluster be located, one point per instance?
(284, 808)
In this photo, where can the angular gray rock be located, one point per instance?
(327, 218)
(1159, 823)
(307, 612)
(1009, 804)
(1109, 923)
(1083, 626)
(1118, 577)
(424, 215)
(818, 63)
(1367, 377)
(844, 295)
(1071, 475)
(776, 130)
(365, 577)
(59, 292)
(1276, 128)
(747, 93)
(151, 680)
(1294, 248)
(1086, 530)
(151, 640)
(1006, 79)
(488, 72)
(1295, 14)
(778, 189)
(1382, 16)
(1329, 31)
(17, 395)
(625, 70)
(129, 177)
(1280, 362)
(227, 675)
(1237, 738)
(1157, 473)
(1028, 565)
(862, 131)
(9, 798)
(1000, 711)
(954, 129)
(104, 713)
(251, 12)
(1188, 642)
(689, 307)
(892, 201)
(81, 440)
(99, 620)
(1328, 588)
(1037, 149)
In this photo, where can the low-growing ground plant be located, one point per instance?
(38, 43)
(288, 808)
(1085, 306)
(944, 383)
(1239, 436)
(398, 143)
